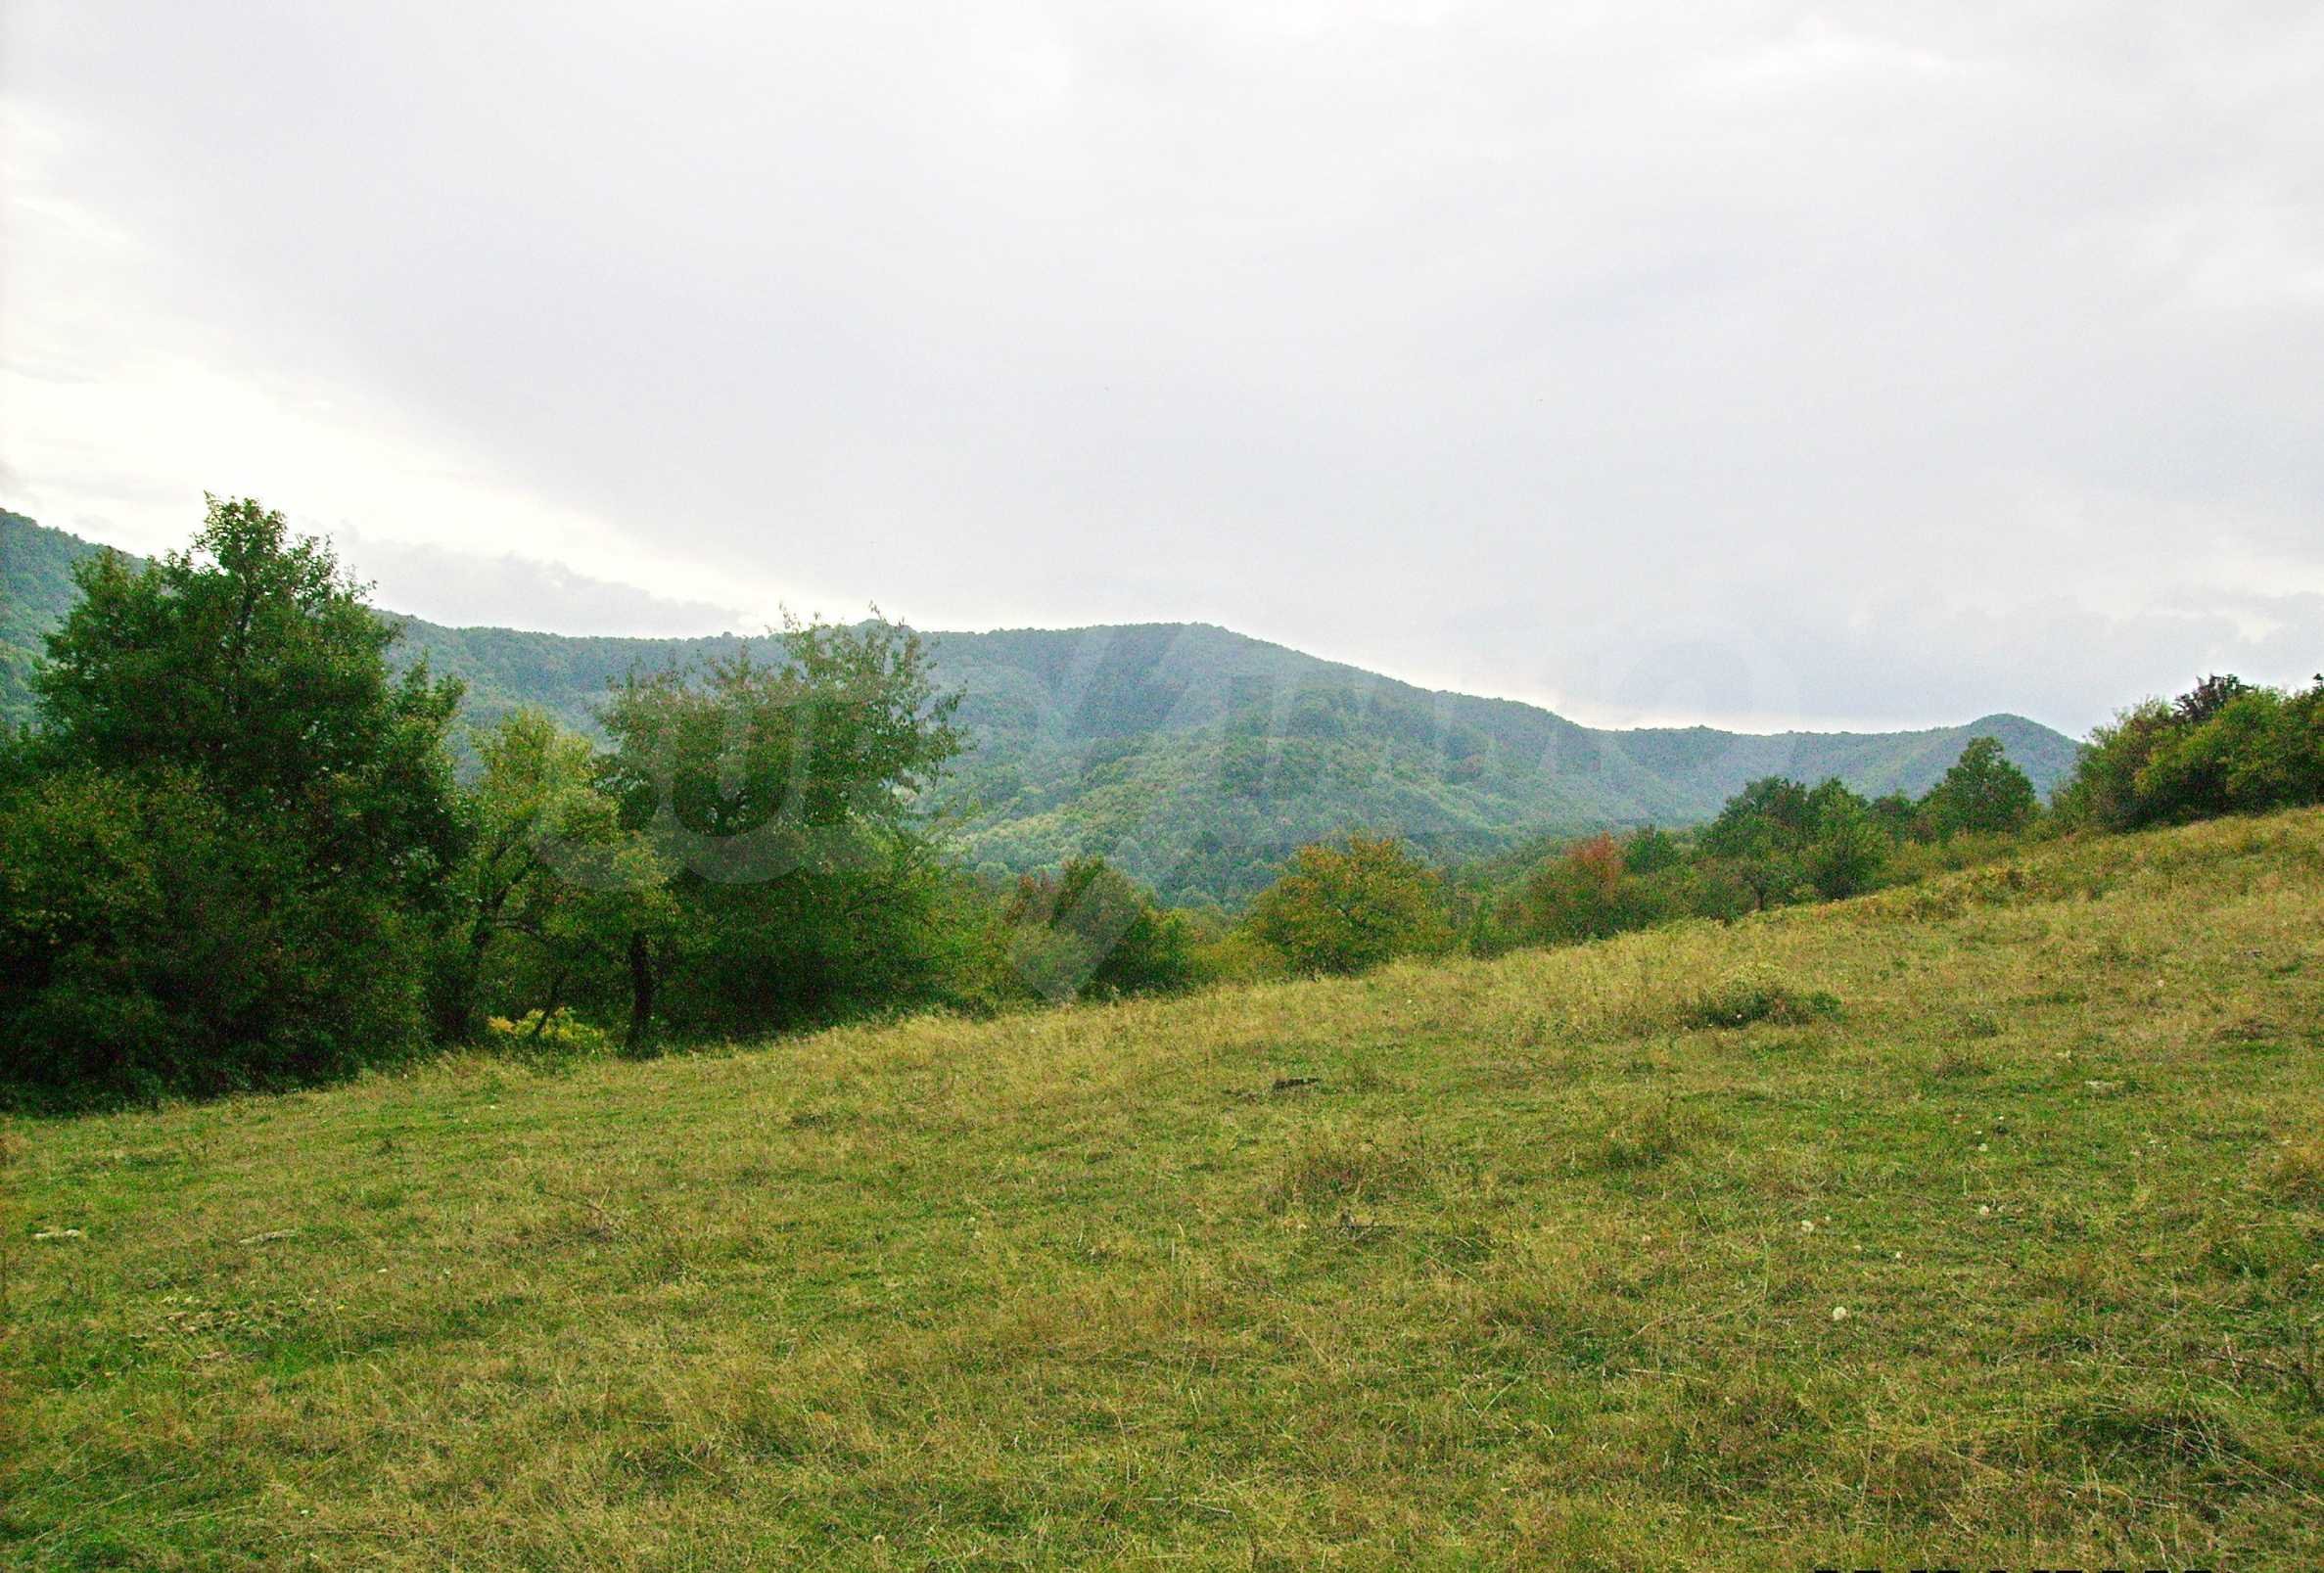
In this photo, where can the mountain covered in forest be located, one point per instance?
(1194, 757)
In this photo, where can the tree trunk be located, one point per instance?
(554, 1003)
(641, 998)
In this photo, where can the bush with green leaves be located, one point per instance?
(1755, 995)
(1088, 929)
(1347, 907)
(2223, 747)
(153, 942)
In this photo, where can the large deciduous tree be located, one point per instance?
(787, 799)
(225, 848)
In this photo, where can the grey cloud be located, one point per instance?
(1936, 351)
(471, 588)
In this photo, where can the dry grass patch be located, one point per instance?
(1649, 1133)
(2295, 1171)
(1758, 993)
(1345, 1165)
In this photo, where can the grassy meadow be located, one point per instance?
(1976, 1222)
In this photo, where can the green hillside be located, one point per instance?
(1194, 756)
(1994, 1242)
(35, 591)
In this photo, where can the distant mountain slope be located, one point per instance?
(1194, 755)
(35, 591)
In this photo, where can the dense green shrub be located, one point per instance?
(1090, 930)
(150, 941)
(1844, 847)
(2223, 747)
(1756, 995)
(1343, 908)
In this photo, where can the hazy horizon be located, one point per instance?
(1743, 725)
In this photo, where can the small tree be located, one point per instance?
(2103, 790)
(1781, 841)
(1845, 848)
(1579, 894)
(2207, 698)
(1651, 851)
(1346, 908)
(1982, 793)
(1091, 929)
(1760, 838)
(554, 887)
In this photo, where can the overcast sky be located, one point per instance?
(1754, 363)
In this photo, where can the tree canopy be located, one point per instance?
(1348, 906)
(2226, 746)
(788, 801)
(1982, 793)
(228, 842)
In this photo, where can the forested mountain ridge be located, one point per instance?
(1194, 756)
(36, 589)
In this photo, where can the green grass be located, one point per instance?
(1534, 1262)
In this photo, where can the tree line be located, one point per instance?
(2224, 747)
(235, 851)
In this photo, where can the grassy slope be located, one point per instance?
(1526, 1276)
